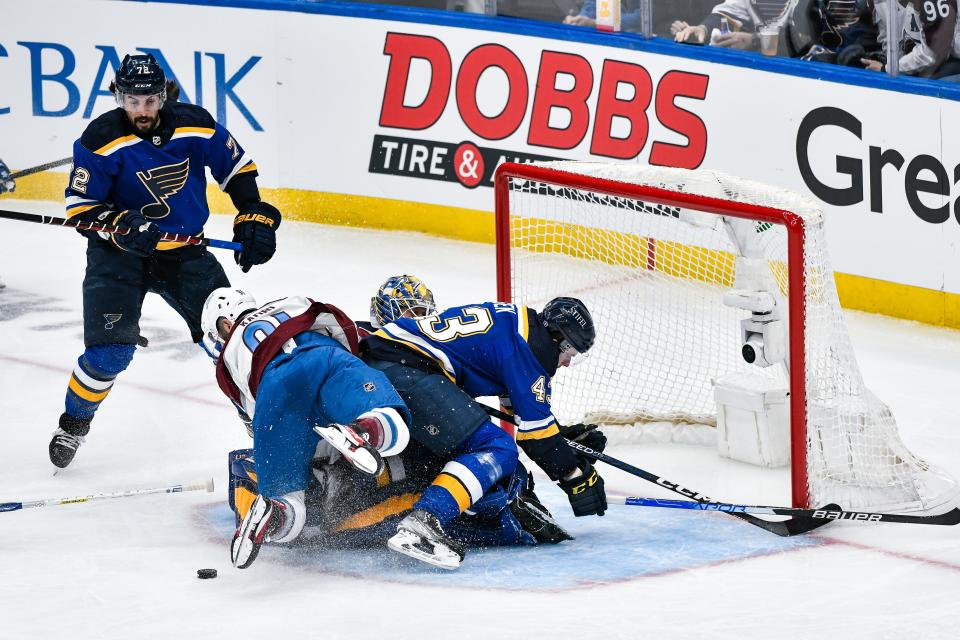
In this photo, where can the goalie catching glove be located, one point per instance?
(255, 228)
(585, 491)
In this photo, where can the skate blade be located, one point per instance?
(361, 458)
(406, 543)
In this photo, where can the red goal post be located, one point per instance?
(650, 248)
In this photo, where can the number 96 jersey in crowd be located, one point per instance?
(161, 173)
(486, 349)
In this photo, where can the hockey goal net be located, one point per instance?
(652, 252)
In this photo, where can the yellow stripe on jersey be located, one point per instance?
(523, 322)
(539, 434)
(167, 246)
(113, 145)
(75, 211)
(251, 166)
(455, 488)
(200, 131)
(90, 396)
(383, 334)
(379, 512)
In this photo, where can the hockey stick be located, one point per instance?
(41, 167)
(53, 502)
(94, 226)
(827, 513)
(783, 528)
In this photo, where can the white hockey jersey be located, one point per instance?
(271, 329)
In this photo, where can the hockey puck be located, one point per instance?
(206, 574)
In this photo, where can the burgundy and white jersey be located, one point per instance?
(271, 329)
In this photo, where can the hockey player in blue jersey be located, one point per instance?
(289, 364)
(440, 363)
(142, 166)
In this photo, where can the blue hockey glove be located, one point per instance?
(255, 227)
(6, 181)
(142, 237)
(585, 492)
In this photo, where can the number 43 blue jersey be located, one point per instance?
(483, 348)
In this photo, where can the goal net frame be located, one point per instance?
(794, 224)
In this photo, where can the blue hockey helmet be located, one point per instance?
(569, 321)
(400, 296)
(139, 75)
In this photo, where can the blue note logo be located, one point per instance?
(112, 319)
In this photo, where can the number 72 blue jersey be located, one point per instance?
(483, 348)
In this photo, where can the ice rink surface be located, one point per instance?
(126, 568)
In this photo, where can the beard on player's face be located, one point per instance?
(143, 122)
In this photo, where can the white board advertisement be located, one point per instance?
(420, 112)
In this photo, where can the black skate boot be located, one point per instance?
(67, 439)
(420, 536)
(536, 520)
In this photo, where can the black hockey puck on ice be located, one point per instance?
(206, 574)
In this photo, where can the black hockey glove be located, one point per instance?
(589, 435)
(142, 237)
(255, 227)
(6, 182)
(586, 493)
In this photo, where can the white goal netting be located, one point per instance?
(654, 277)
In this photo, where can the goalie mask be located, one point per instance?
(401, 296)
(224, 302)
(570, 325)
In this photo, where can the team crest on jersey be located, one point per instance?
(112, 319)
(163, 182)
(369, 386)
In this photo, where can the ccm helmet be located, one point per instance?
(140, 75)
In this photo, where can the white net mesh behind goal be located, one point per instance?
(654, 276)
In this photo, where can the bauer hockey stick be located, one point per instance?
(41, 167)
(95, 226)
(827, 513)
(53, 502)
(783, 528)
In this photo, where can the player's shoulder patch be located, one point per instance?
(192, 116)
(105, 130)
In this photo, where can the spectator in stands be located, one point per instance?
(663, 14)
(732, 24)
(834, 31)
(630, 18)
(929, 44)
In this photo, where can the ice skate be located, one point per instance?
(537, 520)
(67, 439)
(264, 518)
(354, 447)
(420, 536)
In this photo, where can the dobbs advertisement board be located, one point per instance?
(335, 100)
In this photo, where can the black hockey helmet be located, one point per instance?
(140, 75)
(569, 320)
